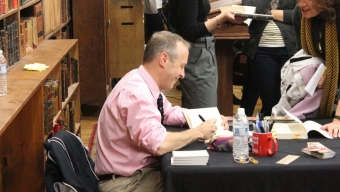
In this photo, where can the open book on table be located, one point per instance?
(297, 130)
(193, 119)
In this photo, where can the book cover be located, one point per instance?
(37, 12)
(29, 26)
(34, 32)
(254, 16)
(22, 46)
(14, 4)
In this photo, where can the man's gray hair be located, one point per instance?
(163, 41)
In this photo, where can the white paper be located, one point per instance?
(313, 82)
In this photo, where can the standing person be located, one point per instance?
(271, 44)
(317, 28)
(131, 134)
(189, 20)
(153, 20)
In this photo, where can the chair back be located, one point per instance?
(69, 166)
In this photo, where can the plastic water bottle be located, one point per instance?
(240, 139)
(3, 72)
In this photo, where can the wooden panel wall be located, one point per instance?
(125, 36)
(88, 28)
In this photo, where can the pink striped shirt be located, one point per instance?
(129, 125)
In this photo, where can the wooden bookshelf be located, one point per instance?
(22, 115)
(56, 14)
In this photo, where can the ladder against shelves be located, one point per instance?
(22, 113)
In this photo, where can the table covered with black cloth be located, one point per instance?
(306, 173)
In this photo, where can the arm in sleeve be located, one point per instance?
(297, 26)
(188, 26)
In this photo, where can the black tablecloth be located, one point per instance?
(306, 173)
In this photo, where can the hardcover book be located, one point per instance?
(240, 9)
(254, 16)
(37, 12)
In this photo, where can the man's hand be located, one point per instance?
(333, 128)
(207, 129)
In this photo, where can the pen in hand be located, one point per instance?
(201, 117)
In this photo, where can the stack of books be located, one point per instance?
(197, 157)
(318, 150)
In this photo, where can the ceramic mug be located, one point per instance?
(264, 144)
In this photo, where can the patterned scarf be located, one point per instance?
(332, 62)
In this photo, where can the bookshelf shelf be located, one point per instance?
(9, 13)
(29, 4)
(57, 30)
(71, 91)
(23, 115)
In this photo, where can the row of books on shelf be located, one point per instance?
(19, 39)
(8, 5)
(69, 74)
(30, 32)
(52, 91)
(56, 12)
(65, 121)
(9, 42)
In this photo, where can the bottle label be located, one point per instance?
(3, 68)
(241, 131)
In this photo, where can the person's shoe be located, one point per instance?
(236, 100)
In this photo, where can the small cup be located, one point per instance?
(263, 144)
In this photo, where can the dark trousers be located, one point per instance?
(264, 79)
(152, 23)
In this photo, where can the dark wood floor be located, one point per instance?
(90, 116)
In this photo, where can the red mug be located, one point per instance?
(263, 144)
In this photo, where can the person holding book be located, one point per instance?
(189, 20)
(271, 44)
(317, 30)
(131, 133)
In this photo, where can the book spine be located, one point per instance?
(254, 16)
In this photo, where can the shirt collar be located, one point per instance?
(154, 89)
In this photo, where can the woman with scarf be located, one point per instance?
(317, 27)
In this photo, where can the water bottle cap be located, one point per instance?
(240, 111)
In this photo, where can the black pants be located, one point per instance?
(152, 23)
